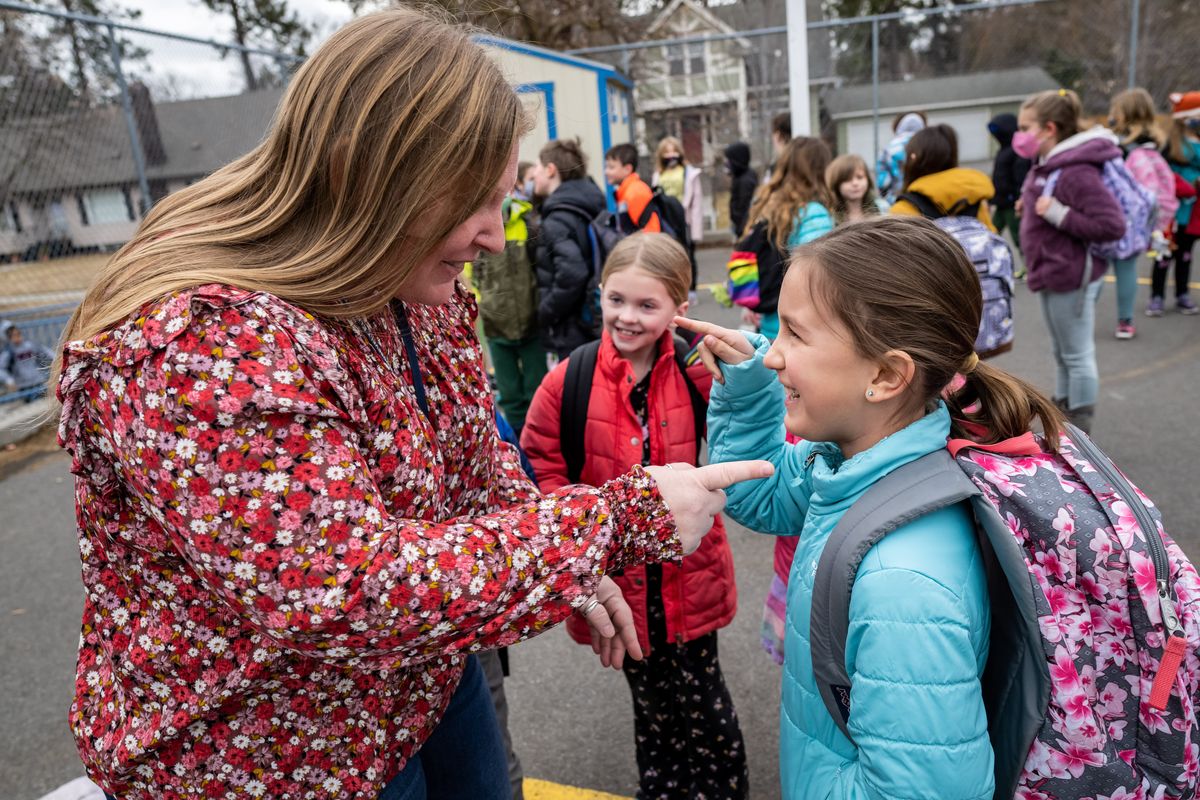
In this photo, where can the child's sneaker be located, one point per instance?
(1186, 305)
(1155, 308)
(1125, 329)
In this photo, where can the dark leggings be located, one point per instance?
(1183, 267)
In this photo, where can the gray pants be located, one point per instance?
(490, 661)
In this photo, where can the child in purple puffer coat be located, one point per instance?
(1065, 207)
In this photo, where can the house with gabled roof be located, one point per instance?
(69, 180)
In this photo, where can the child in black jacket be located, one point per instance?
(744, 180)
(1008, 175)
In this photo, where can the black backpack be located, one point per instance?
(577, 393)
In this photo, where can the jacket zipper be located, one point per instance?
(1176, 644)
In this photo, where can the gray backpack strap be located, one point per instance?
(920, 487)
(1016, 681)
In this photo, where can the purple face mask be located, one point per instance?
(1025, 144)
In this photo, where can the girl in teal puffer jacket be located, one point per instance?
(859, 372)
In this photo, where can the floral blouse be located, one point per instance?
(286, 561)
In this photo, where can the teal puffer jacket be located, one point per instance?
(919, 612)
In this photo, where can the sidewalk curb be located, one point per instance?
(22, 421)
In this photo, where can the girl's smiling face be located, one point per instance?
(856, 187)
(637, 310)
(823, 375)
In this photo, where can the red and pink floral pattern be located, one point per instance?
(286, 561)
(1102, 631)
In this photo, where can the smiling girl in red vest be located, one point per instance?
(639, 410)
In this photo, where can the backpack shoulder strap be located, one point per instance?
(589, 224)
(1051, 183)
(577, 392)
(923, 203)
(963, 209)
(699, 404)
(920, 487)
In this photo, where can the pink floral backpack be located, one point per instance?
(1093, 669)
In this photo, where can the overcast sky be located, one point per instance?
(196, 70)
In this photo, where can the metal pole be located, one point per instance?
(135, 141)
(797, 39)
(875, 84)
(1133, 43)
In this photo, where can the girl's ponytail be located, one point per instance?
(993, 406)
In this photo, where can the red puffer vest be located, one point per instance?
(699, 593)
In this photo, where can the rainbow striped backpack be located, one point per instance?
(756, 271)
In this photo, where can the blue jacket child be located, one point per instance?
(919, 613)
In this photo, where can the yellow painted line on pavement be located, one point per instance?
(545, 790)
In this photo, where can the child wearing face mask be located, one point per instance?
(680, 180)
(1183, 154)
(1065, 206)
(642, 408)
(854, 197)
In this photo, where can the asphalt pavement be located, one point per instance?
(571, 720)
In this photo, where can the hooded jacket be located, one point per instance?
(919, 612)
(948, 187)
(564, 265)
(743, 182)
(889, 169)
(1189, 171)
(699, 593)
(1009, 169)
(1056, 246)
(23, 365)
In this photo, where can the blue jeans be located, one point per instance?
(464, 758)
(1126, 271)
(1071, 319)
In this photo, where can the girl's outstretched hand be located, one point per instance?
(718, 344)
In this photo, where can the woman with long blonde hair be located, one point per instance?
(794, 206)
(296, 520)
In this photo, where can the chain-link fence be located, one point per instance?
(720, 74)
(98, 120)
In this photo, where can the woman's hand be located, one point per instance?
(1042, 205)
(611, 622)
(750, 317)
(1019, 206)
(694, 495)
(718, 344)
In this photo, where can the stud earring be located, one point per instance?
(870, 392)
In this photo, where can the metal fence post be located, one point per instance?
(135, 141)
(875, 83)
(1133, 42)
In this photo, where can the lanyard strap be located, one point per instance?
(410, 349)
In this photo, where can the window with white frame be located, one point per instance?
(105, 206)
(685, 59)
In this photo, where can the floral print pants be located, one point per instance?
(689, 743)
